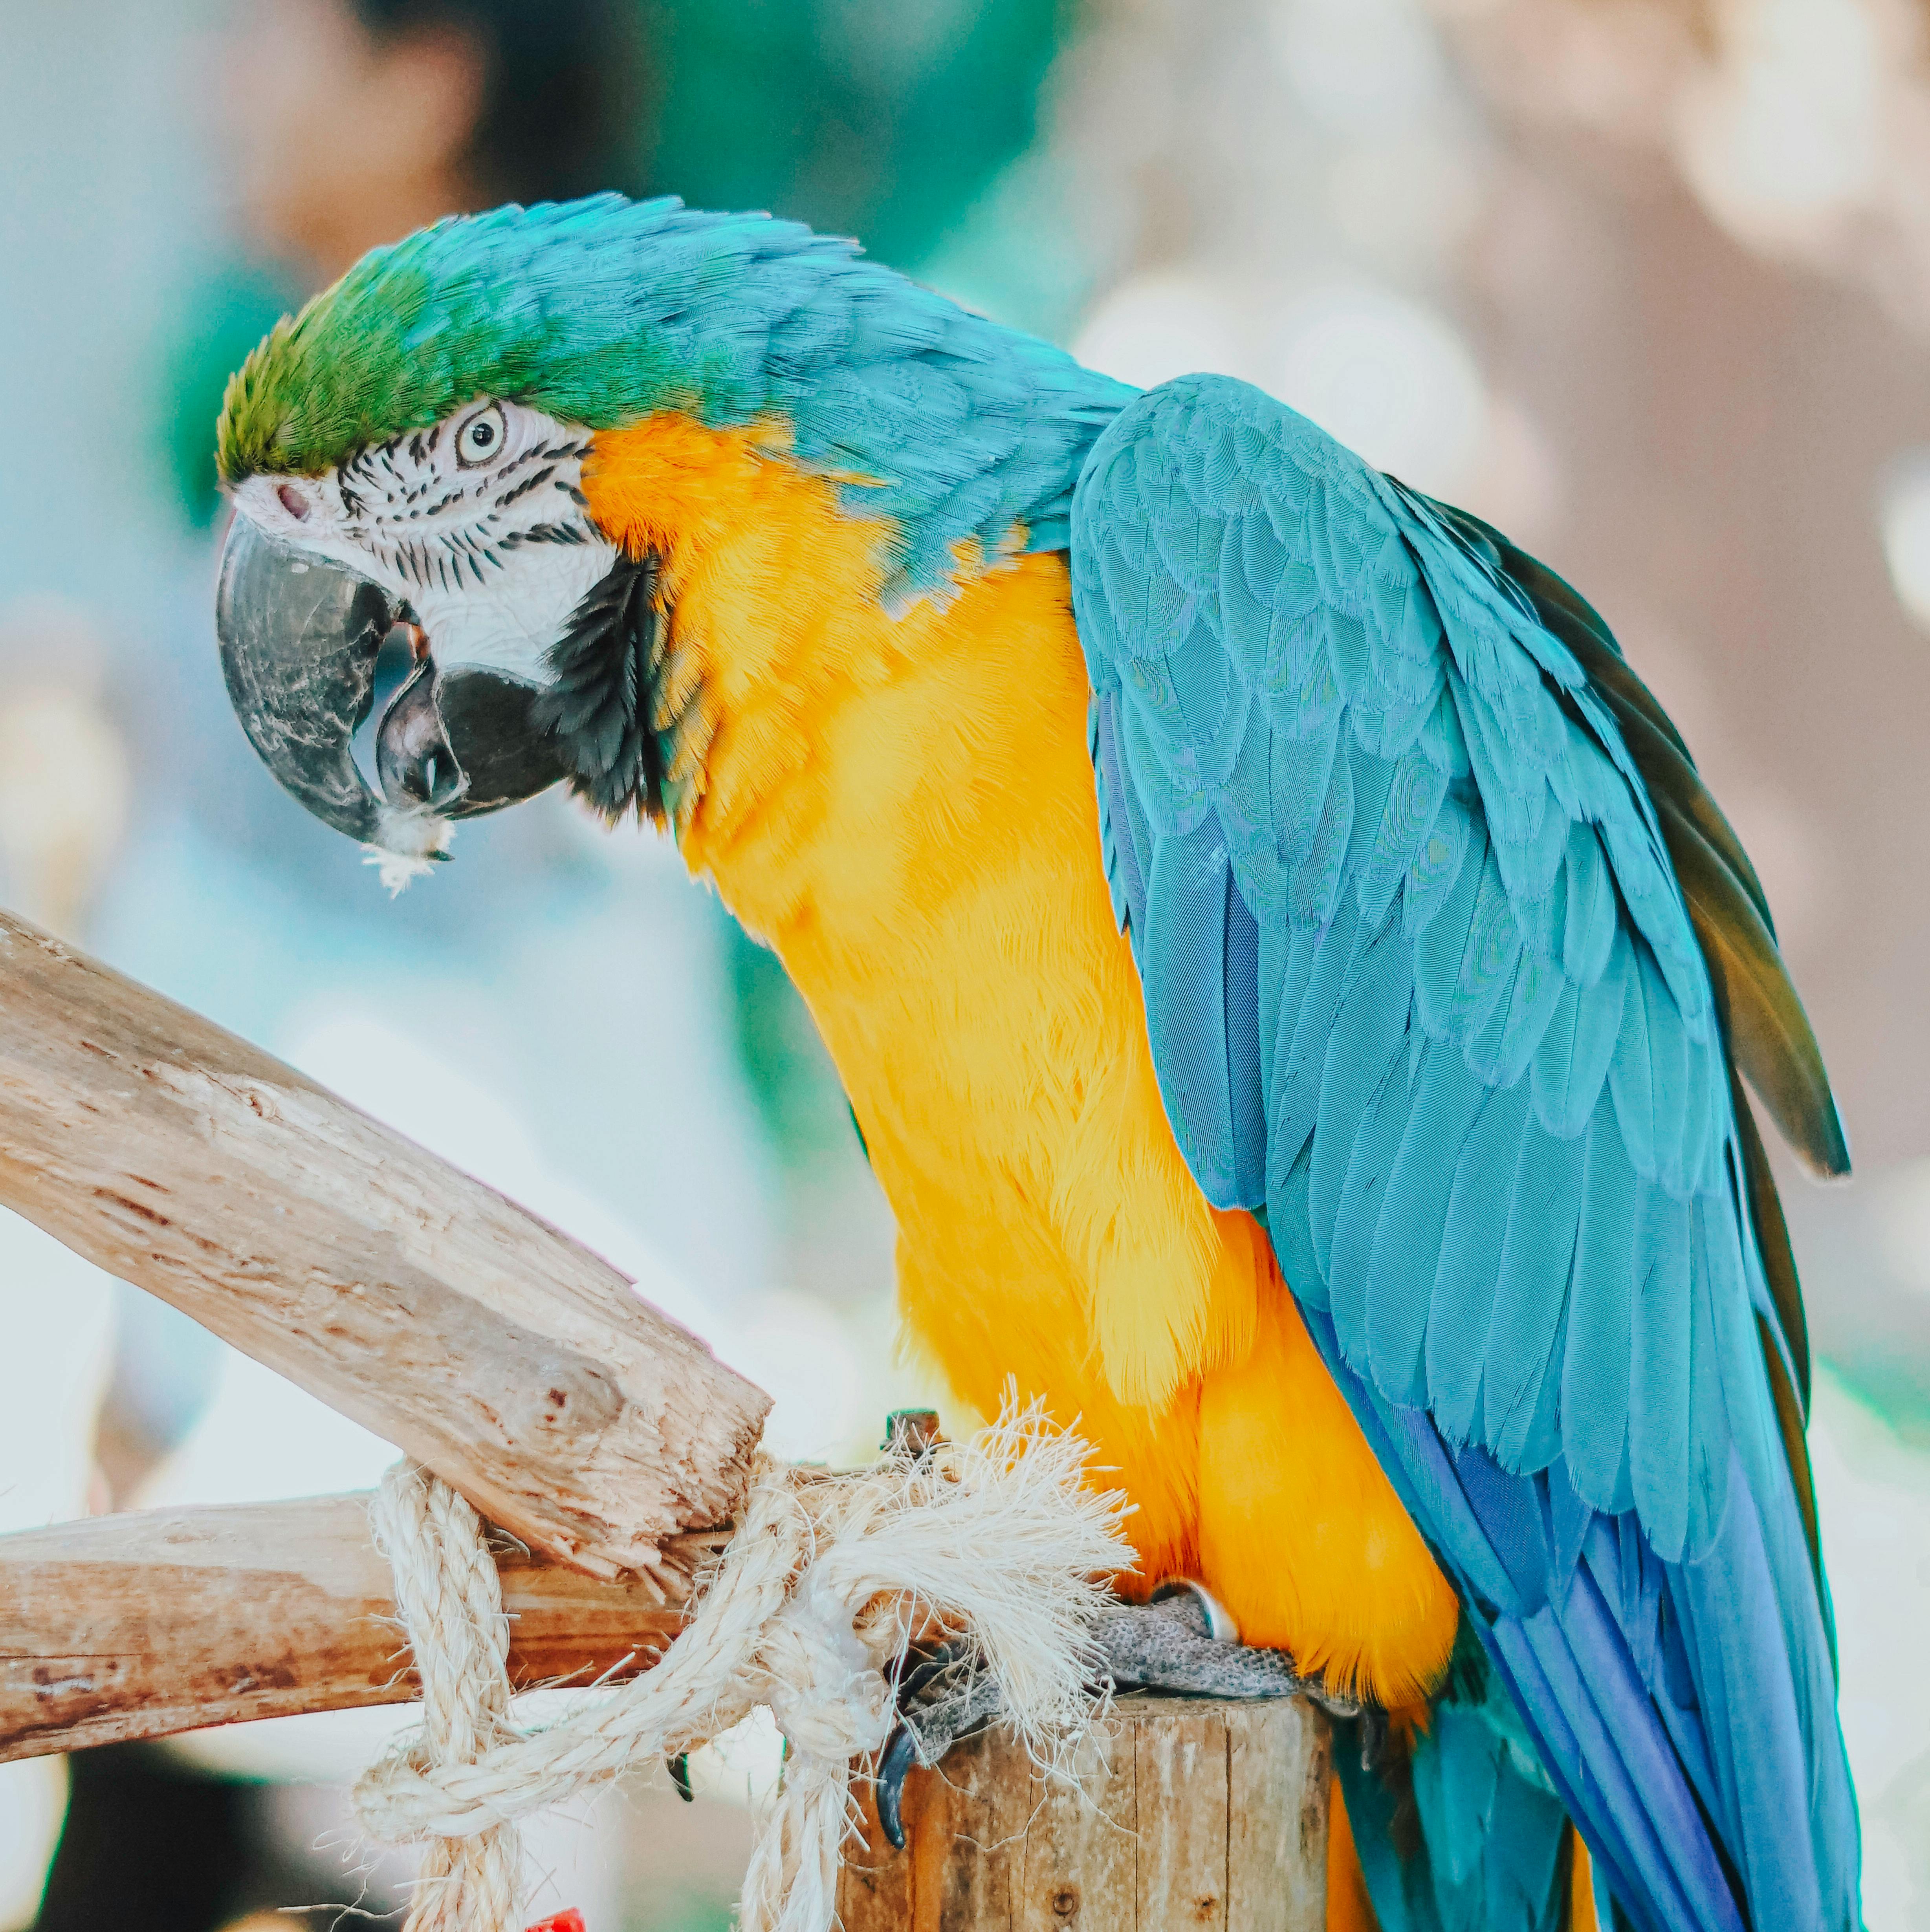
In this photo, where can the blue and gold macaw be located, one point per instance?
(1294, 988)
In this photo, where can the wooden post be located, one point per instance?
(523, 1370)
(1180, 1812)
(135, 1626)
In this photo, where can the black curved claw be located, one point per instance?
(915, 1677)
(680, 1776)
(899, 1755)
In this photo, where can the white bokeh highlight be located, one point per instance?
(1904, 516)
(1390, 377)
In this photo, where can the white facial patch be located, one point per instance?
(478, 526)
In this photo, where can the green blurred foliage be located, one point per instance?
(680, 1912)
(226, 312)
(798, 1094)
(880, 118)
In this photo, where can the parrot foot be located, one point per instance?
(1182, 1641)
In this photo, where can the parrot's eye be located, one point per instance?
(480, 440)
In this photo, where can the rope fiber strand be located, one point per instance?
(809, 1610)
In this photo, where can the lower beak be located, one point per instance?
(300, 640)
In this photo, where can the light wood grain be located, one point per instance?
(1183, 1803)
(1079, 1865)
(1276, 1838)
(139, 1625)
(1183, 1812)
(523, 1370)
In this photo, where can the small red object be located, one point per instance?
(571, 1921)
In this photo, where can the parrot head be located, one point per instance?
(465, 539)
(408, 459)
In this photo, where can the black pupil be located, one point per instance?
(482, 434)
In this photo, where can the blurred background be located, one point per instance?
(1646, 282)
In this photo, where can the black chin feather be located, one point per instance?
(605, 669)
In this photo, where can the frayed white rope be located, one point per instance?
(809, 1610)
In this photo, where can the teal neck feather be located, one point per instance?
(602, 311)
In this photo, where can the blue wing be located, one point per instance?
(1441, 983)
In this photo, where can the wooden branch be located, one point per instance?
(140, 1625)
(1185, 1811)
(523, 1370)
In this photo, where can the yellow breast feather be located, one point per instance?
(902, 806)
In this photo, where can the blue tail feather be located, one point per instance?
(1637, 1709)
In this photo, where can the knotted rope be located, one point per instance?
(809, 1609)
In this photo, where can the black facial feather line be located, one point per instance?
(605, 668)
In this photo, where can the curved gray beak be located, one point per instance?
(300, 640)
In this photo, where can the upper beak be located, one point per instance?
(300, 640)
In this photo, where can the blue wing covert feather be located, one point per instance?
(1447, 953)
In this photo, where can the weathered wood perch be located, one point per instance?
(528, 1373)
(523, 1370)
(136, 1626)
(1187, 1812)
